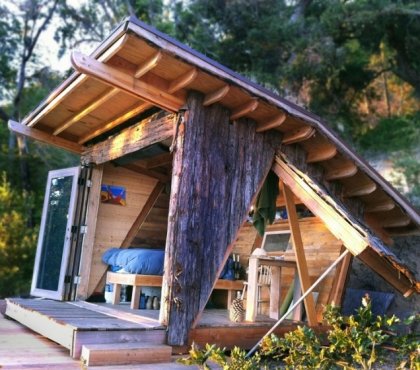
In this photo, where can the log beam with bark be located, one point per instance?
(217, 170)
(151, 130)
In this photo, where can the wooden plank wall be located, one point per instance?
(114, 221)
(153, 231)
(321, 250)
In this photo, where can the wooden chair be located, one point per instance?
(264, 280)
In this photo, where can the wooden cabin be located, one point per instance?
(174, 150)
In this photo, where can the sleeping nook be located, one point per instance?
(204, 208)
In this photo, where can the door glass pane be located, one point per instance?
(54, 233)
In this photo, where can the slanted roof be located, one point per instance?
(137, 68)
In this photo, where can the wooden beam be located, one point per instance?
(322, 154)
(375, 225)
(159, 160)
(144, 171)
(44, 137)
(125, 82)
(361, 190)
(383, 206)
(385, 268)
(273, 122)
(348, 170)
(115, 122)
(56, 98)
(94, 201)
(183, 80)
(216, 95)
(148, 65)
(97, 102)
(302, 265)
(244, 109)
(195, 254)
(147, 132)
(340, 278)
(299, 135)
(135, 227)
(340, 226)
(395, 222)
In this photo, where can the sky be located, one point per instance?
(48, 47)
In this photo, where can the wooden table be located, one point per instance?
(252, 296)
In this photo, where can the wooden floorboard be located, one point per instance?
(21, 348)
(77, 323)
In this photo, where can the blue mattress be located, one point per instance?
(135, 261)
(148, 262)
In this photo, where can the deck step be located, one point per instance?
(125, 353)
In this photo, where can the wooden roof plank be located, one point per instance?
(86, 110)
(117, 78)
(148, 65)
(57, 99)
(336, 222)
(45, 137)
(115, 122)
(272, 123)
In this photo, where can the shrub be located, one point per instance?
(356, 341)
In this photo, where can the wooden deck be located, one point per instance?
(74, 324)
(21, 348)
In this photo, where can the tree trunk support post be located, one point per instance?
(218, 168)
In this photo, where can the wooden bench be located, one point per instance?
(138, 281)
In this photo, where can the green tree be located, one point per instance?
(17, 241)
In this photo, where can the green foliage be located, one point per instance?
(200, 357)
(408, 346)
(357, 338)
(392, 134)
(352, 342)
(236, 361)
(17, 241)
(300, 349)
(407, 162)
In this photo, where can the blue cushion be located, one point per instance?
(136, 260)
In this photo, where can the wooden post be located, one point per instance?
(218, 168)
(89, 239)
(300, 254)
(340, 278)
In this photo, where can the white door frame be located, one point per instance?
(59, 293)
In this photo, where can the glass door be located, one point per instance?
(55, 234)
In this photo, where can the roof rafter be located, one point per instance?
(216, 95)
(244, 109)
(299, 135)
(183, 80)
(87, 109)
(123, 81)
(271, 123)
(115, 122)
(32, 120)
(148, 65)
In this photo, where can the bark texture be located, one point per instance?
(217, 170)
